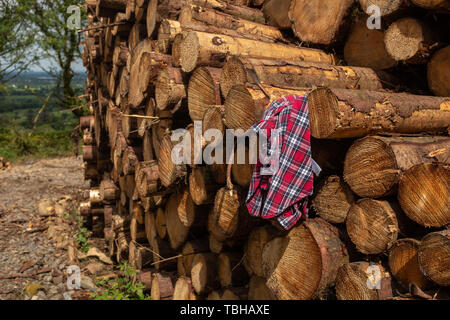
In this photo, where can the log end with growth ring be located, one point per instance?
(424, 194)
(323, 112)
(306, 263)
(404, 263)
(233, 72)
(203, 91)
(434, 257)
(370, 168)
(240, 110)
(372, 225)
(189, 52)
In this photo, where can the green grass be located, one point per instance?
(18, 144)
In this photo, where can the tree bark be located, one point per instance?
(199, 48)
(340, 113)
(293, 75)
(162, 286)
(204, 15)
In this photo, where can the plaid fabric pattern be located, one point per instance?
(283, 195)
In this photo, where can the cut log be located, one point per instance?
(363, 281)
(176, 230)
(136, 36)
(254, 248)
(245, 105)
(200, 48)
(229, 217)
(409, 40)
(169, 172)
(130, 159)
(137, 231)
(90, 153)
(109, 8)
(440, 5)
(204, 15)
(373, 165)
(87, 122)
(434, 257)
(231, 270)
(203, 91)
(162, 286)
(145, 277)
(213, 119)
(158, 10)
(161, 249)
(130, 10)
(147, 178)
(294, 75)
(404, 263)
(109, 191)
(318, 21)
(201, 186)
(230, 293)
(242, 172)
(276, 13)
(169, 88)
(372, 225)
(258, 289)
(387, 7)
(365, 48)
(439, 73)
(204, 273)
(144, 72)
(161, 226)
(340, 113)
(183, 290)
(333, 199)
(190, 249)
(424, 194)
(141, 11)
(306, 263)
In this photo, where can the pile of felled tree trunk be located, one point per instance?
(379, 114)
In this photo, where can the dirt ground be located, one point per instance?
(27, 255)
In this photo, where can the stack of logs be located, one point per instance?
(377, 226)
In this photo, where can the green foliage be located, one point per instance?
(15, 40)
(82, 237)
(125, 287)
(57, 43)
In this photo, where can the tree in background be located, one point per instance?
(15, 41)
(57, 43)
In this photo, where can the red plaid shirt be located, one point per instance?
(283, 195)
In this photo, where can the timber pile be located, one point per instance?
(381, 204)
